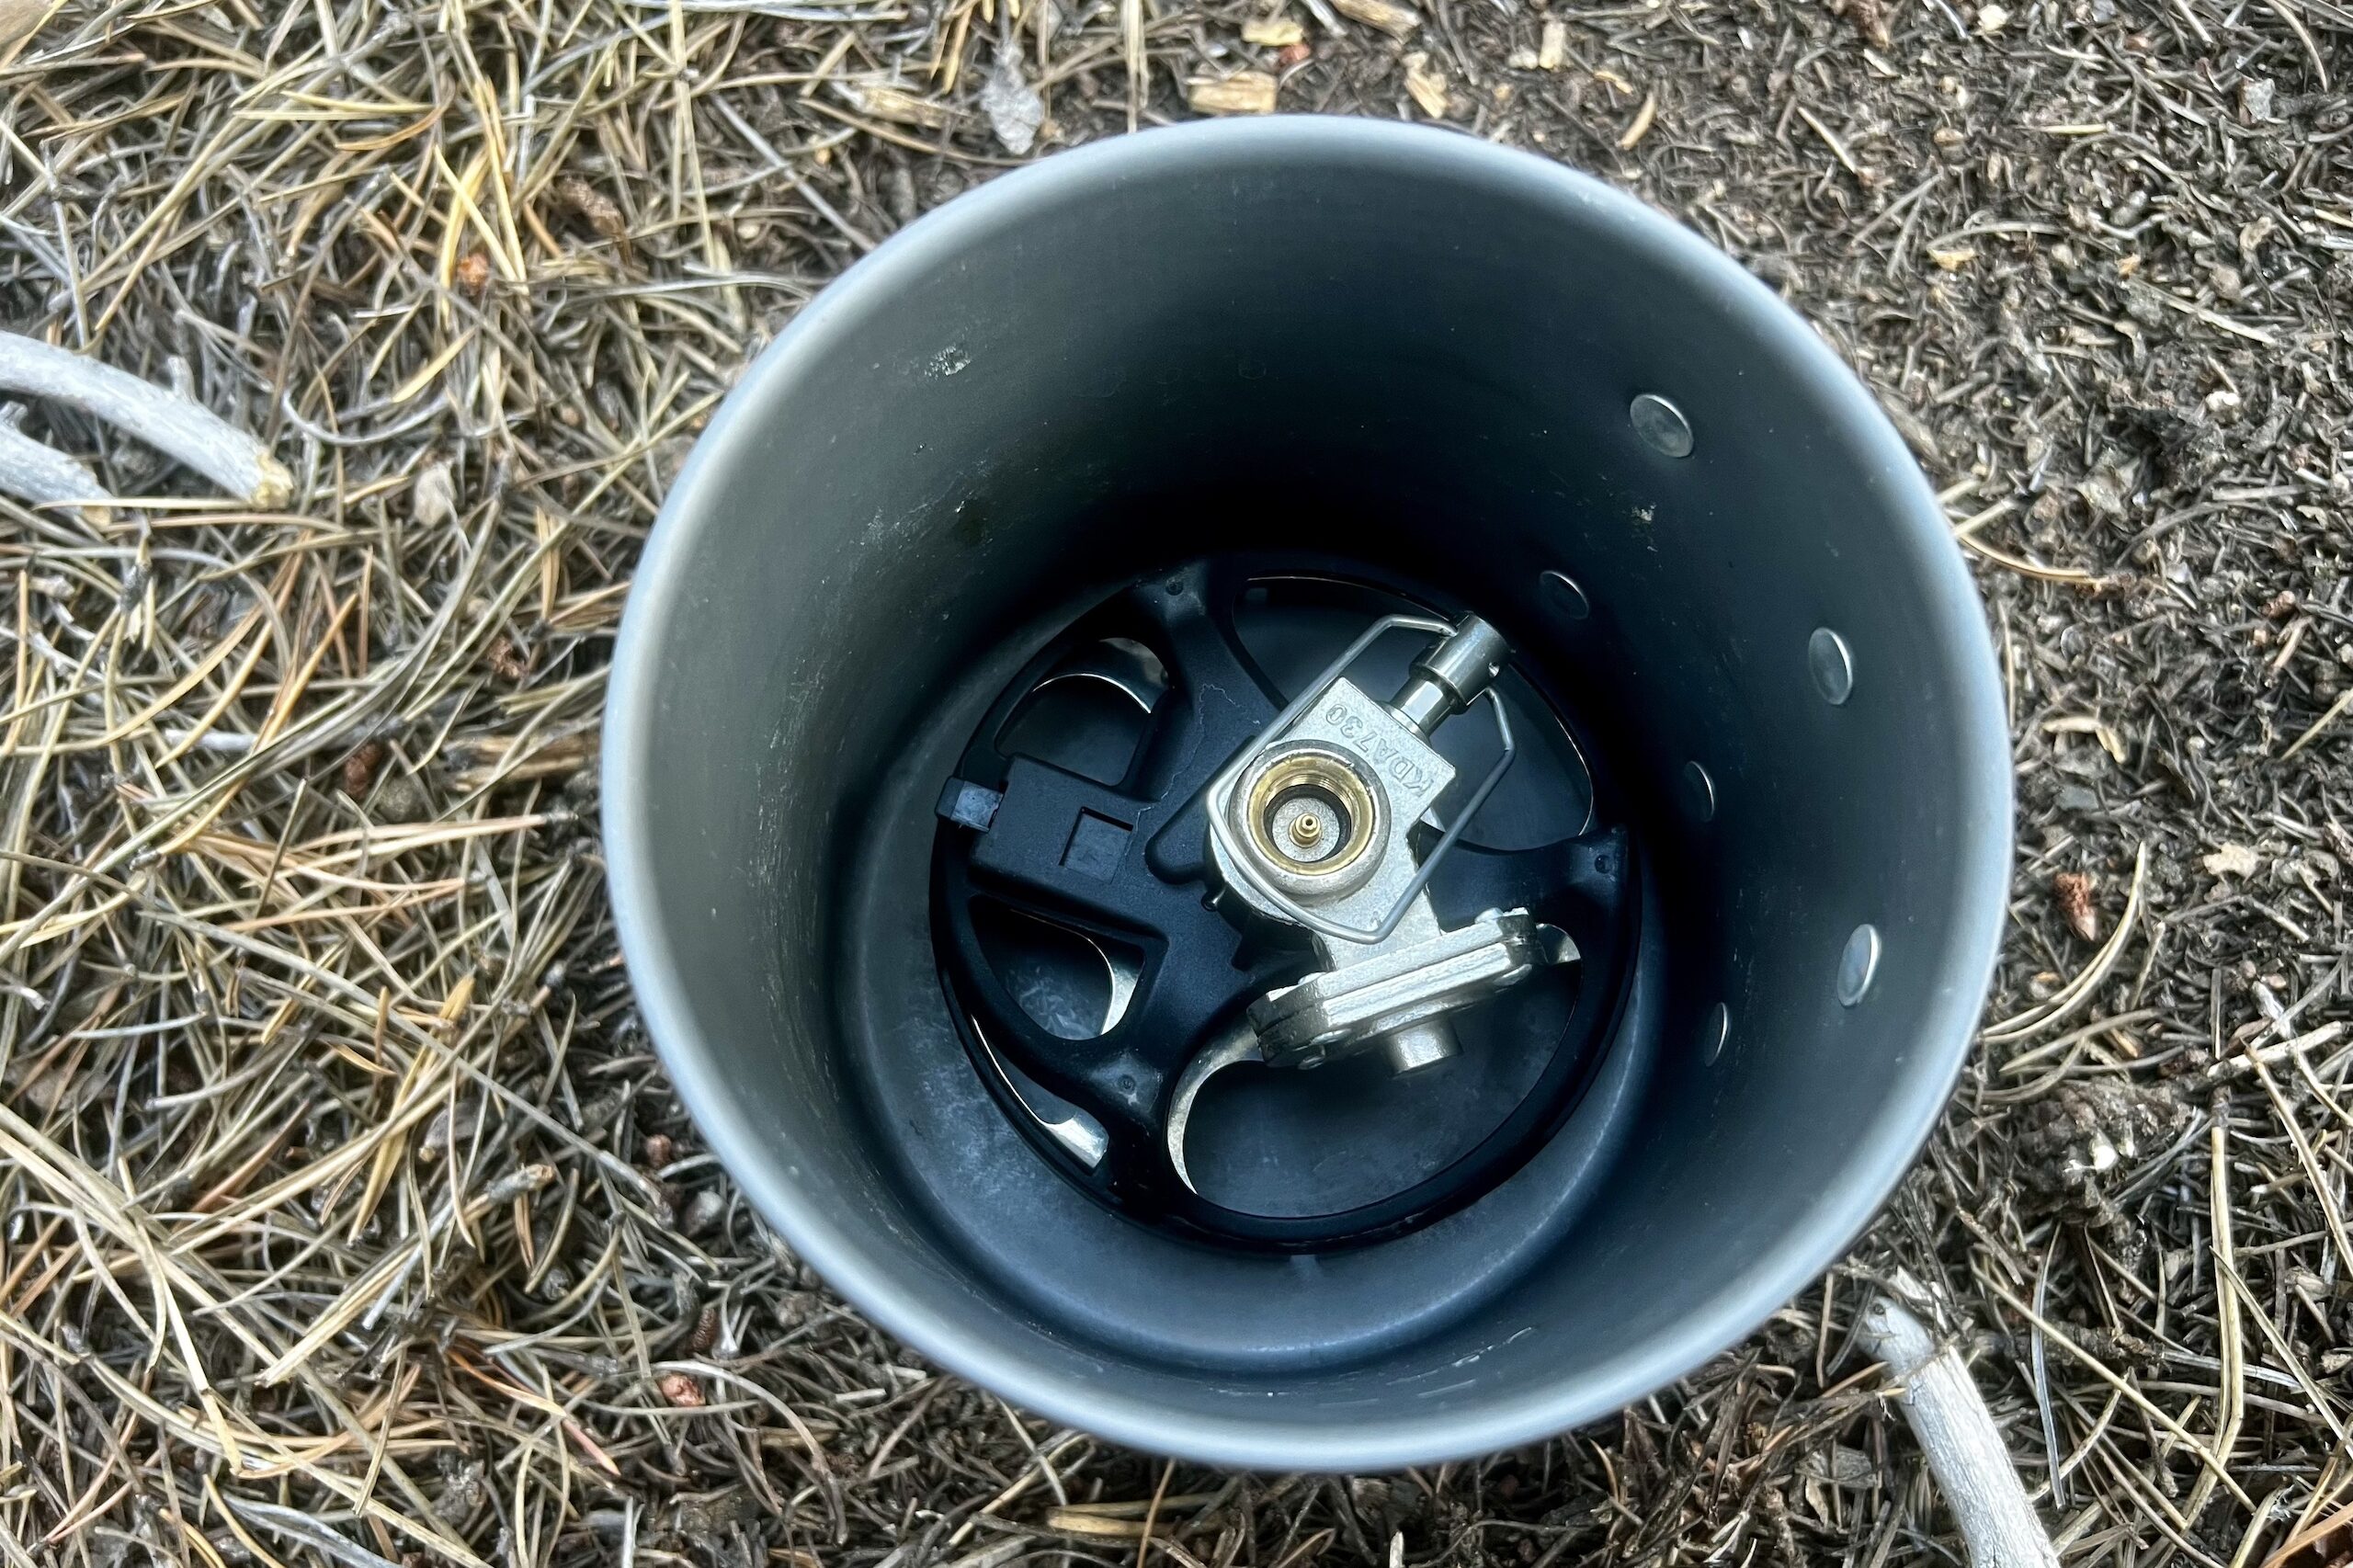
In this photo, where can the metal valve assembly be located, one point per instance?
(1266, 885)
(1301, 830)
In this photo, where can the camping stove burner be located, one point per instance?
(1388, 979)
(1289, 883)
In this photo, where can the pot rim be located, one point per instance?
(1271, 1439)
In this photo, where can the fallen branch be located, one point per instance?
(43, 475)
(1964, 1449)
(180, 428)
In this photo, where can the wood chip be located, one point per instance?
(2233, 860)
(895, 105)
(1077, 1523)
(1642, 124)
(1554, 47)
(1273, 32)
(1395, 20)
(1246, 92)
(2099, 729)
(1426, 84)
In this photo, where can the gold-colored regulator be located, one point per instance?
(1310, 813)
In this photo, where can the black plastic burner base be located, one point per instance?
(1086, 959)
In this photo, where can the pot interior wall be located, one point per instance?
(1425, 360)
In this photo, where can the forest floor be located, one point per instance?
(345, 1213)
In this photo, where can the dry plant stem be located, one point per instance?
(171, 424)
(33, 472)
(2076, 992)
(2230, 1406)
(1964, 1449)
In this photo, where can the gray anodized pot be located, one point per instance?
(1395, 344)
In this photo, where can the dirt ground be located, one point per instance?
(346, 1216)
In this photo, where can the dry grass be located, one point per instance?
(346, 1217)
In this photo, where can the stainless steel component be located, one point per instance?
(1393, 996)
(1417, 1046)
(1236, 1046)
(1449, 677)
(1346, 743)
(1425, 704)
(1395, 986)
(1063, 1122)
(1832, 664)
(1122, 971)
(1043, 964)
(1126, 665)
(1661, 425)
(1402, 763)
(1309, 826)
